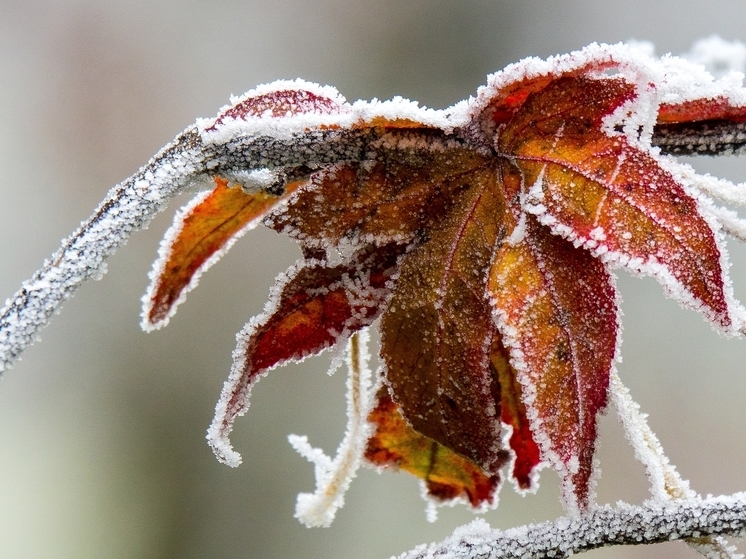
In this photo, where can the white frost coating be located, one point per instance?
(693, 186)
(346, 116)
(718, 56)
(718, 188)
(606, 526)
(333, 476)
(665, 482)
(676, 80)
(730, 222)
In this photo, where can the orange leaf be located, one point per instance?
(197, 236)
(556, 308)
(610, 196)
(447, 475)
(437, 328)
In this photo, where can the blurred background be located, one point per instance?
(102, 450)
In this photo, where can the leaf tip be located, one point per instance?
(217, 438)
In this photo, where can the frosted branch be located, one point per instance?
(707, 137)
(130, 206)
(665, 482)
(653, 522)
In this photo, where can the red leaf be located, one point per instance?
(279, 103)
(527, 454)
(696, 110)
(315, 306)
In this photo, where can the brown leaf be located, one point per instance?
(389, 199)
(437, 328)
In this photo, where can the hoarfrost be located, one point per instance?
(333, 476)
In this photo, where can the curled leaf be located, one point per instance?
(317, 305)
(200, 235)
(513, 413)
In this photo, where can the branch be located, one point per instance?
(653, 522)
(706, 137)
(184, 164)
(189, 161)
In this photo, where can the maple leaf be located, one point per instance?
(484, 238)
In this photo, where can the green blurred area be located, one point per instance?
(102, 451)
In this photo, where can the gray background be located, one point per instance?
(102, 451)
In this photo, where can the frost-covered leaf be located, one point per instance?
(599, 190)
(513, 413)
(447, 475)
(556, 308)
(437, 328)
(483, 236)
(282, 99)
(314, 306)
(199, 236)
(390, 198)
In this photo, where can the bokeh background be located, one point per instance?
(102, 451)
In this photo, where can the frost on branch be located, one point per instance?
(605, 526)
(485, 237)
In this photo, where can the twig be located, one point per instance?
(624, 524)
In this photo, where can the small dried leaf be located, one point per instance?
(447, 475)
(198, 237)
(277, 104)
